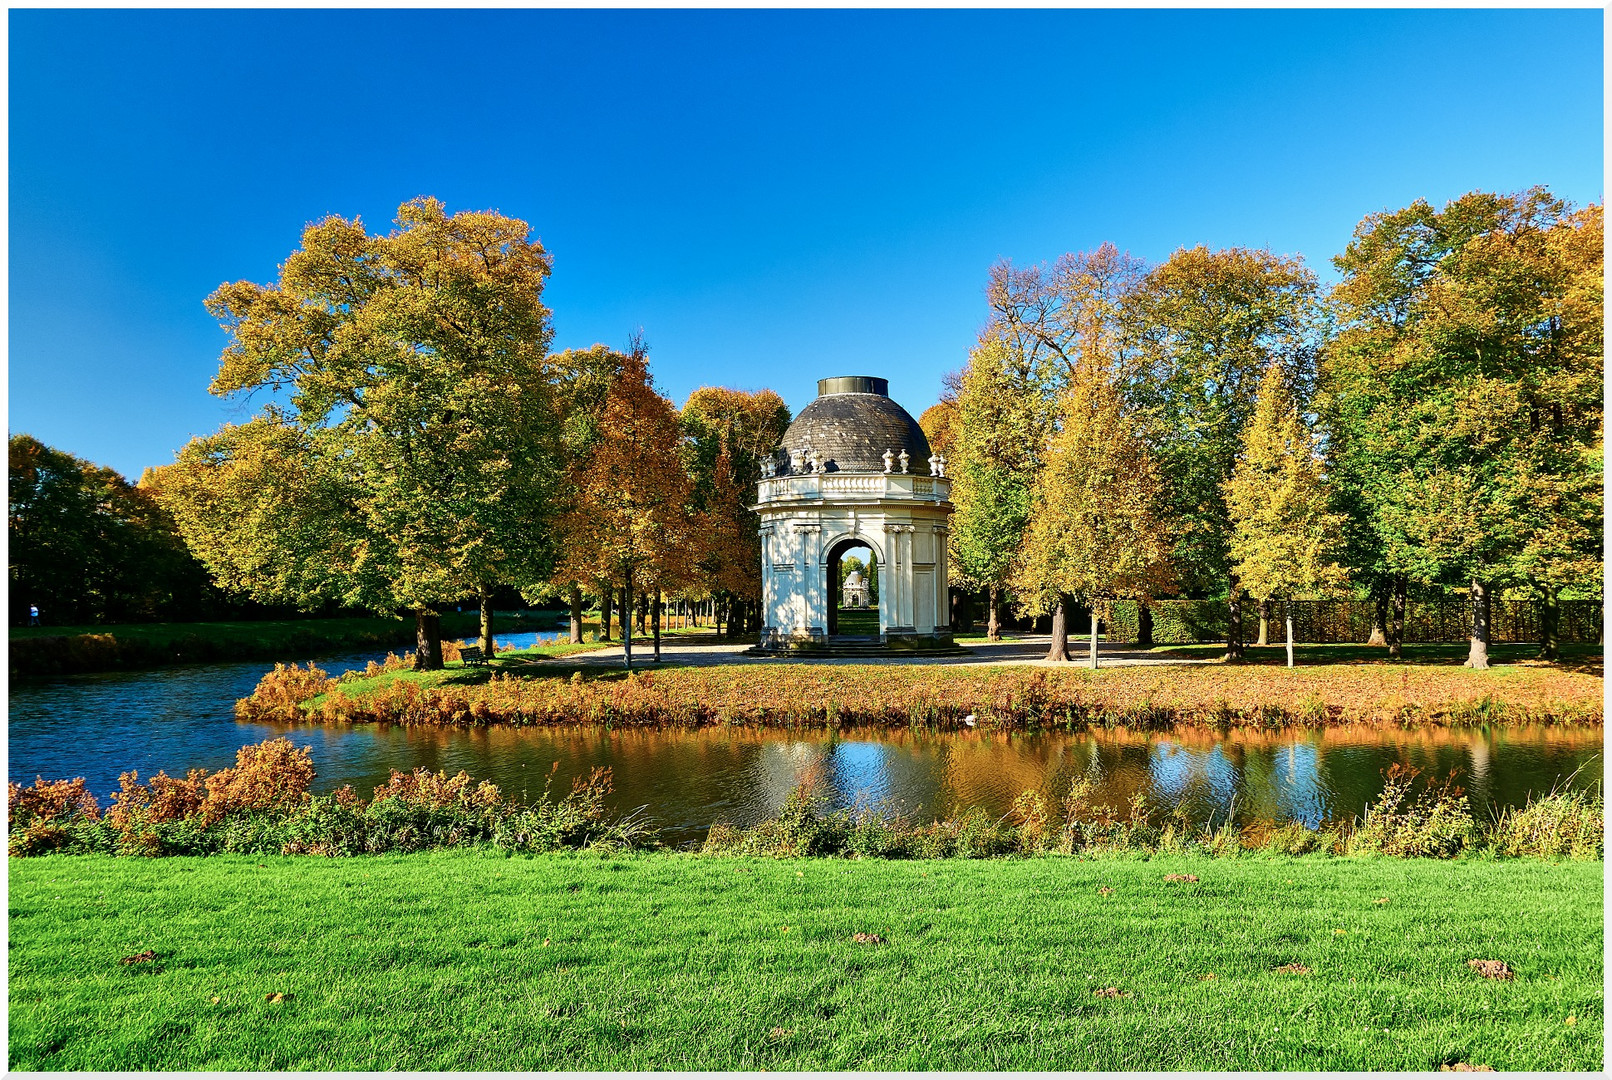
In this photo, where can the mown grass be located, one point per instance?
(52, 650)
(534, 661)
(465, 961)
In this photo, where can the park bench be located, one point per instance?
(471, 654)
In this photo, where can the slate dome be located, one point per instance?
(850, 425)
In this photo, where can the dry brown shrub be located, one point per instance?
(1144, 698)
(281, 692)
(50, 800)
(272, 775)
(437, 790)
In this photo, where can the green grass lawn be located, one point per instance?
(470, 961)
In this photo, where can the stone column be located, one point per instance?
(909, 614)
(769, 597)
(809, 573)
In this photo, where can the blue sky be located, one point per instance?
(774, 197)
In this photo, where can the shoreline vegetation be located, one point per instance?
(470, 960)
(264, 805)
(70, 650)
(531, 689)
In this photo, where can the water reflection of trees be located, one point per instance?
(689, 778)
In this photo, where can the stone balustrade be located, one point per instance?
(854, 486)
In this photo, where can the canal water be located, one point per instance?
(178, 718)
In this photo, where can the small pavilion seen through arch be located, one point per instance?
(855, 471)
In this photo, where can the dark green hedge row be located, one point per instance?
(1182, 622)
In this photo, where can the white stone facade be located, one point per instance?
(900, 516)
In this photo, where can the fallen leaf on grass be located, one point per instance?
(1292, 969)
(1206, 976)
(867, 939)
(1111, 992)
(277, 997)
(1491, 969)
(1105, 891)
(1335, 933)
(139, 958)
(1380, 900)
(1180, 877)
(216, 999)
(1461, 1066)
(1570, 1021)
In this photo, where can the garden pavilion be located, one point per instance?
(854, 470)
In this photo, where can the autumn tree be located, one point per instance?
(1284, 534)
(1205, 325)
(583, 381)
(1096, 535)
(1466, 387)
(629, 521)
(1044, 320)
(727, 432)
(406, 456)
(939, 422)
(1003, 426)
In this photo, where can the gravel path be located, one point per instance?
(1027, 650)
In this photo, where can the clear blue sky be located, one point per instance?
(774, 197)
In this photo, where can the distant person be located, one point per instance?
(33, 614)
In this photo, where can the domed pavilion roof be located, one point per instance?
(850, 425)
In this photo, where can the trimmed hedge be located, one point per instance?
(1448, 619)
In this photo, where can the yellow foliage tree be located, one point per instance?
(1284, 537)
(1096, 535)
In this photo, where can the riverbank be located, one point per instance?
(466, 961)
(532, 691)
(53, 650)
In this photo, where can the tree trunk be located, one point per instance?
(1094, 635)
(485, 595)
(643, 614)
(1144, 626)
(626, 620)
(1288, 610)
(427, 640)
(605, 595)
(654, 619)
(993, 626)
(1550, 626)
(1234, 623)
(1059, 649)
(1478, 657)
(1396, 617)
(576, 614)
(1379, 613)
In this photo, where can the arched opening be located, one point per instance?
(853, 596)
